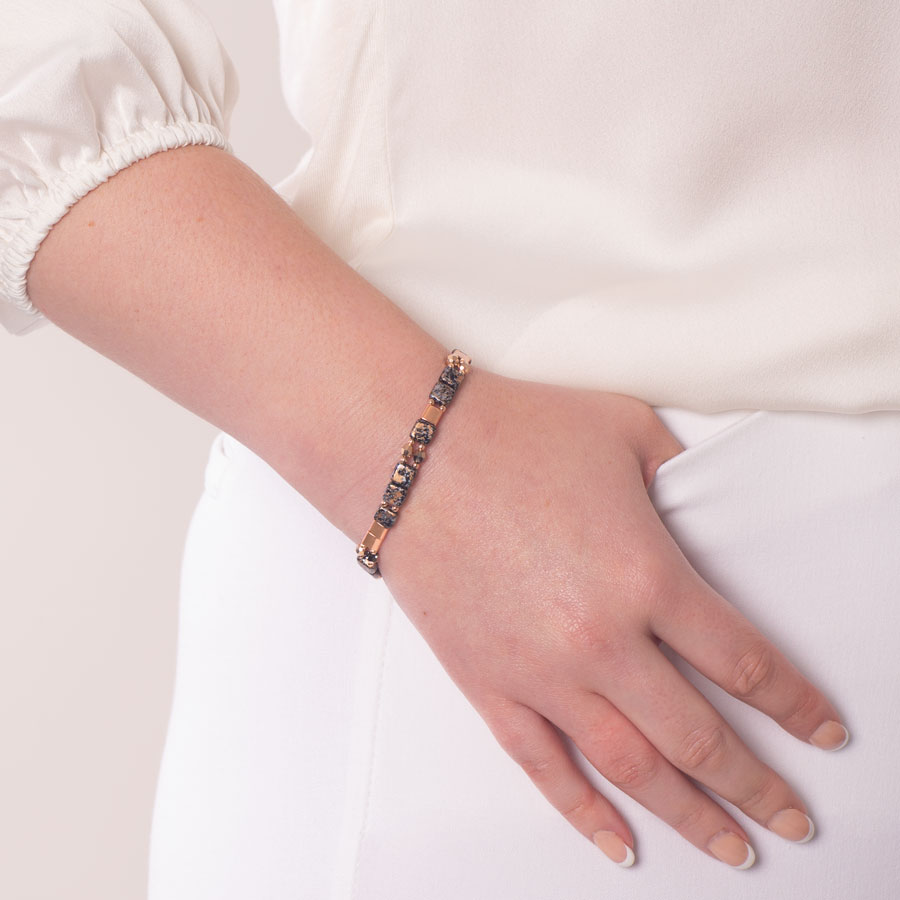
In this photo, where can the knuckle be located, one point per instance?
(584, 634)
(805, 707)
(508, 736)
(686, 820)
(513, 736)
(632, 772)
(705, 747)
(518, 739)
(754, 673)
(582, 626)
(606, 737)
(579, 807)
(538, 768)
(656, 589)
(760, 796)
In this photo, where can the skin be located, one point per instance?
(556, 555)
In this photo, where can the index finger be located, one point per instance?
(708, 632)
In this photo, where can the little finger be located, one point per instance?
(536, 745)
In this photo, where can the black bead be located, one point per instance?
(422, 431)
(385, 517)
(451, 376)
(394, 495)
(403, 475)
(442, 393)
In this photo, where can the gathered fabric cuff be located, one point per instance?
(17, 254)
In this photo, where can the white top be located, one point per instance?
(699, 201)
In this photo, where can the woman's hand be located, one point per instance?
(533, 563)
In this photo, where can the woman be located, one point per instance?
(611, 211)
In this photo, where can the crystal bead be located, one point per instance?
(368, 560)
(460, 361)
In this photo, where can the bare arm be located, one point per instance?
(189, 270)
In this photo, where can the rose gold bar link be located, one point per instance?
(432, 414)
(370, 542)
(374, 537)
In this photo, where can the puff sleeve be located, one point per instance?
(88, 87)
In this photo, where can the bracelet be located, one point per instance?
(457, 367)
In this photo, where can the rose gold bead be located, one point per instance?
(460, 361)
(374, 537)
(432, 414)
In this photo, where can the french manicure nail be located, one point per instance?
(615, 848)
(792, 825)
(830, 736)
(731, 849)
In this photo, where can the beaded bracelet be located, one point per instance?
(412, 456)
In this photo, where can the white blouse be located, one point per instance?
(696, 203)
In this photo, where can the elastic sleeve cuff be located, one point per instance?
(15, 258)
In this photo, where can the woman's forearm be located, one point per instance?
(189, 270)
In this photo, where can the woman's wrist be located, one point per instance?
(446, 495)
(436, 485)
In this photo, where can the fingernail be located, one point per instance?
(792, 825)
(830, 736)
(615, 848)
(731, 849)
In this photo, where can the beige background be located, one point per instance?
(99, 474)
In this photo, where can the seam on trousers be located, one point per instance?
(373, 745)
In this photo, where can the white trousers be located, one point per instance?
(316, 749)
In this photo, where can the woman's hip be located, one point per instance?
(309, 708)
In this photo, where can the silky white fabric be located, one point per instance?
(316, 748)
(700, 201)
(88, 87)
